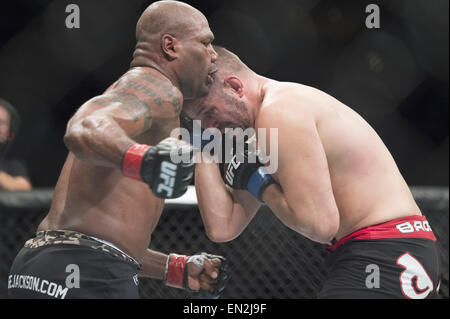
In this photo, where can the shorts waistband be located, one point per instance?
(413, 226)
(69, 237)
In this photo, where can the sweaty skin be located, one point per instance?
(92, 196)
(330, 159)
(334, 172)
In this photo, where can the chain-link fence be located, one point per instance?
(267, 260)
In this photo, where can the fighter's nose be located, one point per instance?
(214, 55)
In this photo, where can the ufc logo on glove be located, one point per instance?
(233, 166)
(168, 173)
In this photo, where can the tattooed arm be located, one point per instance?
(104, 127)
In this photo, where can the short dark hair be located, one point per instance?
(14, 119)
(229, 60)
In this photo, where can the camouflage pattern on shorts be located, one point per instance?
(68, 237)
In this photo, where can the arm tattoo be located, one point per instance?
(137, 108)
(146, 90)
(168, 90)
(131, 104)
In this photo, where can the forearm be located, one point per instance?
(103, 129)
(214, 200)
(225, 214)
(307, 222)
(276, 201)
(8, 182)
(153, 264)
(98, 140)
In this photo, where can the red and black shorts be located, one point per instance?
(396, 259)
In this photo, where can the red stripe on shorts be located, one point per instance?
(414, 226)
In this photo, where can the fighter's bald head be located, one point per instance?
(175, 39)
(171, 17)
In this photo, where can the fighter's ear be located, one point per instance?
(169, 46)
(235, 83)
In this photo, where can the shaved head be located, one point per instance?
(175, 39)
(172, 17)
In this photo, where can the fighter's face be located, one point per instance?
(4, 124)
(197, 58)
(219, 109)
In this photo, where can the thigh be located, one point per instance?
(383, 268)
(63, 272)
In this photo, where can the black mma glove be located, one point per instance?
(241, 174)
(176, 274)
(153, 166)
(196, 138)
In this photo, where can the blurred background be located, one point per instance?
(396, 77)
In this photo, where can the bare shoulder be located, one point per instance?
(285, 103)
(152, 88)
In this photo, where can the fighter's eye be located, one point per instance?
(207, 42)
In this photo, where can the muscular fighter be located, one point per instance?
(111, 191)
(336, 183)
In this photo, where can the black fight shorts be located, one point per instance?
(396, 259)
(68, 264)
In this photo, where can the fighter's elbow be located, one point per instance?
(72, 141)
(78, 136)
(326, 227)
(318, 226)
(220, 234)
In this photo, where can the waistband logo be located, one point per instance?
(418, 225)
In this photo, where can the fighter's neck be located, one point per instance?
(146, 62)
(256, 99)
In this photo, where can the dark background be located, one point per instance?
(396, 77)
